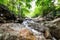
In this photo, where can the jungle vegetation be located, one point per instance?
(33, 8)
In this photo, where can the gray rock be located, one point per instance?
(9, 31)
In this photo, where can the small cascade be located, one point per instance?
(26, 23)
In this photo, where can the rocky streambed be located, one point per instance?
(30, 29)
(14, 27)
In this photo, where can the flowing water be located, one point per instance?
(33, 28)
(35, 32)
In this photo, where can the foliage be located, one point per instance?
(22, 7)
(17, 6)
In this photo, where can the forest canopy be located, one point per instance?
(33, 8)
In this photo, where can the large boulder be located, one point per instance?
(9, 31)
(16, 31)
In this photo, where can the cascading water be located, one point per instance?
(39, 35)
(26, 23)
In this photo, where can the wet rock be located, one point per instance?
(8, 36)
(9, 31)
(37, 28)
(30, 30)
(49, 29)
(16, 31)
(33, 25)
(25, 34)
(54, 28)
(29, 35)
(55, 32)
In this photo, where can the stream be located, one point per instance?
(36, 27)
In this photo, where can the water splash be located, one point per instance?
(26, 23)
